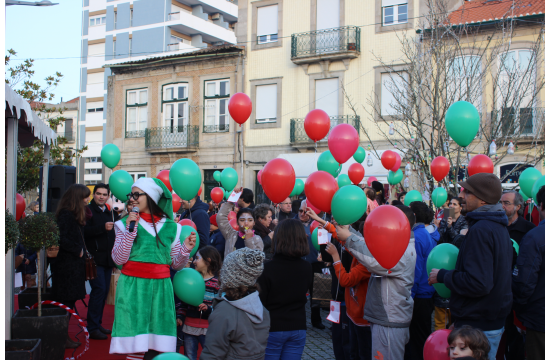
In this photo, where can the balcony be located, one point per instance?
(191, 25)
(172, 139)
(180, 47)
(135, 134)
(298, 136)
(215, 128)
(69, 136)
(518, 122)
(328, 44)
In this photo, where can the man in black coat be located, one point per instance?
(481, 283)
(100, 239)
(285, 210)
(197, 211)
(512, 202)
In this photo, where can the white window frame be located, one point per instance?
(395, 8)
(463, 73)
(266, 120)
(102, 20)
(388, 88)
(140, 124)
(137, 174)
(171, 102)
(213, 102)
(267, 38)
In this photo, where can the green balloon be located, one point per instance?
(298, 187)
(120, 183)
(226, 194)
(171, 356)
(185, 178)
(516, 246)
(413, 195)
(527, 179)
(229, 178)
(525, 197)
(439, 196)
(536, 187)
(326, 162)
(217, 176)
(189, 286)
(315, 239)
(395, 177)
(186, 230)
(462, 122)
(110, 155)
(343, 180)
(348, 204)
(443, 256)
(359, 155)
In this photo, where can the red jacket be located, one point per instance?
(356, 283)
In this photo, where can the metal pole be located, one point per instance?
(44, 206)
(242, 159)
(11, 190)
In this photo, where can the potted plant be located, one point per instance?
(28, 349)
(48, 325)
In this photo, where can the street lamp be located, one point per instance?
(30, 3)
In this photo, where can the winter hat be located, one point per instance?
(242, 268)
(484, 186)
(213, 220)
(157, 191)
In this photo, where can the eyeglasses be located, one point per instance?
(301, 211)
(135, 195)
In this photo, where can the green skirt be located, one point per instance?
(145, 316)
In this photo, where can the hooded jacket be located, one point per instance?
(481, 283)
(423, 245)
(199, 215)
(389, 302)
(230, 235)
(237, 329)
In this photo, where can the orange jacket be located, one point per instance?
(356, 283)
(332, 230)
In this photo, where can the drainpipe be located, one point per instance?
(236, 134)
(242, 130)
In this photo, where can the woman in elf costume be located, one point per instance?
(145, 319)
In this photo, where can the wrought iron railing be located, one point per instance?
(517, 121)
(172, 137)
(215, 128)
(298, 133)
(135, 134)
(327, 41)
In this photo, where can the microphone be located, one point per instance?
(133, 223)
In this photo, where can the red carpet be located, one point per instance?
(99, 349)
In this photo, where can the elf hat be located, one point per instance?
(158, 192)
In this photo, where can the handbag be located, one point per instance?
(91, 269)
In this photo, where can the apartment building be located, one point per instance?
(115, 31)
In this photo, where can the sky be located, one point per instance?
(40, 32)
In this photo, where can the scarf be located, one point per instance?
(261, 230)
(149, 217)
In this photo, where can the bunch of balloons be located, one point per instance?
(530, 181)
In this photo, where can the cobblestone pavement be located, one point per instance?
(318, 342)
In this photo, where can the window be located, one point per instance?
(98, 20)
(137, 175)
(394, 12)
(114, 20)
(93, 159)
(266, 103)
(216, 99)
(95, 110)
(136, 112)
(92, 171)
(131, 17)
(175, 106)
(464, 80)
(92, 182)
(394, 93)
(267, 24)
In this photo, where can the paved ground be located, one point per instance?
(318, 342)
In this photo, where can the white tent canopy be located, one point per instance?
(306, 163)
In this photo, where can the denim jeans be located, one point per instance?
(191, 345)
(494, 340)
(285, 345)
(360, 340)
(100, 289)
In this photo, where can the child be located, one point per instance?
(467, 341)
(239, 324)
(207, 262)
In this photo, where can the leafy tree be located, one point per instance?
(29, 160)
(12, 231)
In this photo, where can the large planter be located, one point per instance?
(29, 297)
(27, 349)
(51, 328)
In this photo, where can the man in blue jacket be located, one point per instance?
(481, 283)
(421, 292)
(528, 285)
(197, 211)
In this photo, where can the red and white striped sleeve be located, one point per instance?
(179, 254)
(123, 244)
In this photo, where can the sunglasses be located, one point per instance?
(301, 211)
(134, 196)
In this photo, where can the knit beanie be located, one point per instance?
(242, 268)
(484, 186)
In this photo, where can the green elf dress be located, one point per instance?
(144, 305)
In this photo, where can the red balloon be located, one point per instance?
(278, 179)
(19, 206)
(240, 107)
(234, 225)
(231, 215)
(440, 168)
(216, 194)
(370, 180)
(310, 205)
(259, 176)
(343, 142)
(314, 225)
(480, 163)
(388, 159)
(397, 163)
(317, 124)
(200, 191)
(164, 176)
(213, 220)
(388, 232)
(189, 222)
(176, 202)
(320, 188)
(356, 173)
(436, 345)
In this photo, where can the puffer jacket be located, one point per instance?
(448, 234)
(389, 301)
(230, 235)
